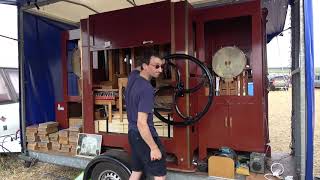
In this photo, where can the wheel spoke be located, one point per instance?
(180, 91)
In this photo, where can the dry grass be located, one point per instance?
(11, 168)
(280, 124)
(316, 139)
(280, 135)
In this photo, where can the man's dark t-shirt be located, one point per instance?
(139, 97)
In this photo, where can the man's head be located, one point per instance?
(151, 64)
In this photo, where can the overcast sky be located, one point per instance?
(278, 49)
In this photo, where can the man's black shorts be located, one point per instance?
(140, 156)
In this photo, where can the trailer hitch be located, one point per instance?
(179, 91)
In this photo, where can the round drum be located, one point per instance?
(228, 62)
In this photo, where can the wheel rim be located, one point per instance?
(187, 120)
(109, 175)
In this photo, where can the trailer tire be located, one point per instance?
(112, 171)
(27, 164)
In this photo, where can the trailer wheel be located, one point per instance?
(109, 171)
(27, 164)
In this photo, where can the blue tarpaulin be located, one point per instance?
(309, 56)
(43, 68)
(277, 12)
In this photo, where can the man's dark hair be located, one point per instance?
(146, 54)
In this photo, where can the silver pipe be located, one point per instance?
(21, 82)
(303, 113)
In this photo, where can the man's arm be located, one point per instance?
(145, 131)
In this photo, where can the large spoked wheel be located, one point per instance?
(109, 171)
(179, 91)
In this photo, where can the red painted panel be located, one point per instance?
(246, 127)
(87, 100)
(62, 114)
(130, 27)
(238, 25)
(228, 11)
(214, 132)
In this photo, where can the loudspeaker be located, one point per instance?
(257, 162)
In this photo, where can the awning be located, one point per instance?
(71, 11)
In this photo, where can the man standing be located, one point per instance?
(148, 154)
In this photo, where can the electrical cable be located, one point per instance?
(5, 149)
(2, 146)
(15, 138)
(275, 172)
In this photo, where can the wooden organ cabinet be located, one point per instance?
(231, 38)
(123, 34)
(228, 39)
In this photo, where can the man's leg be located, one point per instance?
(157, 168)
(135, 175)
(159, 177)
(136, 163)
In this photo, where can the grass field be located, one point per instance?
(280, 136)
(280, 124)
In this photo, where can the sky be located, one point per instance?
(278, 50)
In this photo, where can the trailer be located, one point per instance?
(74, 59)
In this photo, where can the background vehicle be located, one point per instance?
(9, 110)
(317, 81)
(279, 82)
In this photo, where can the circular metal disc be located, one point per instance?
(228, 62)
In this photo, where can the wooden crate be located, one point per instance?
(64, 149)
(63, 140)
(77, 128)
(64, 133)
(44, 138)
(32, 129)
(32, 146)
(34, 138)
(56, 146)
(47, 130)
(75, 121)
(49, 124)
(73, 139)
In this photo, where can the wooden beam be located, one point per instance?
(110, 65)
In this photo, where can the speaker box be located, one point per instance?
(257, 162)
